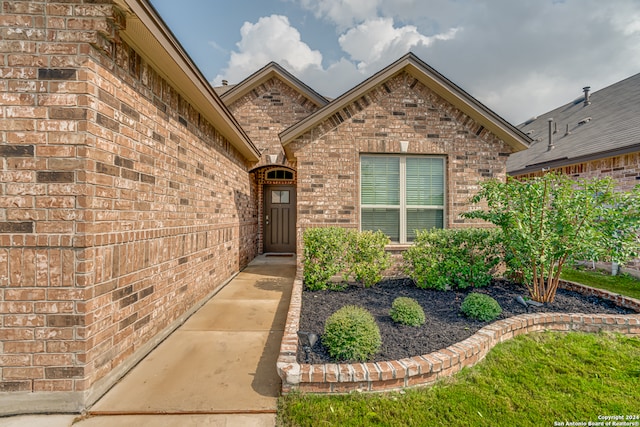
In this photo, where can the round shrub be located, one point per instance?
(351, 334)
(481, 307)
(407, 311)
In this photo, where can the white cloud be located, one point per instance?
(377, 40)
(272, 38)
(344, 13)
(518, 58)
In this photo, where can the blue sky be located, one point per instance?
(520, 58)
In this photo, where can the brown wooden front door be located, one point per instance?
(279, 218)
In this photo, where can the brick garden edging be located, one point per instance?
(426, 369)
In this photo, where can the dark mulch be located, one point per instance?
(445, 324)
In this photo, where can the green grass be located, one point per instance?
(623, 284)
(532, 380)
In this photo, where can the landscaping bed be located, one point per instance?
(444, 326)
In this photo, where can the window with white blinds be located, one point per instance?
(401, 194)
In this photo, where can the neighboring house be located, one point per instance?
(131, 192)
(596, 135)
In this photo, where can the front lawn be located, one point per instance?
(532, 380)
(622, 284)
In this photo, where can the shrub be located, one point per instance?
(481, 307)
(366, 258)
(330, 251)
(351, 334)
(407, 311)
(323, 253)
(459, 258)
(547, 221)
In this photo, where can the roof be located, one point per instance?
(149, 36)
(608, 126)
(435, 81)
(271, 70)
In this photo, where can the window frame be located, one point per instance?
(403, 192)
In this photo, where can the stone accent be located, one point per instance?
(426, 369)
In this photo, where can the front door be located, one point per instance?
(279, 218)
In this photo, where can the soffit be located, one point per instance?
(150, 38)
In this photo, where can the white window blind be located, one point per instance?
(401, 194)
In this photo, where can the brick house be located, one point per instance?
(131, 191)
(265, 104)
(595, 135)
(401, 151)
(125, 200)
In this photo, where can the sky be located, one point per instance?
(520, 58)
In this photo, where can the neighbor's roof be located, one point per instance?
(232, 93)
(149, 36)
(608, 126)
(435, 81)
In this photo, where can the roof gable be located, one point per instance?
(435, 81)
(269, 71)
(608, 125)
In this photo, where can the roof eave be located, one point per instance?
(263, 75)
(566, 161)
(149, 36)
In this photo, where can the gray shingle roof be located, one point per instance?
(609, 125)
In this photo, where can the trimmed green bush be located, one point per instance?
(407, 311)
(453, 258)
(323, 254)
(330, 251)
(366, 258)
(351, 334)
(481, 307)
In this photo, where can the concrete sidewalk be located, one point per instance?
(217, 369)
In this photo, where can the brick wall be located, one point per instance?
(267, 110)
(120, 206)
(263, 113)
(327, 157)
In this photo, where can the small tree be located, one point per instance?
(551, 219)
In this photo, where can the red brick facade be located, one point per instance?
(402, 109)
(264, 112)
(121, 207)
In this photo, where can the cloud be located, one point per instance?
(343, 13)
(518, 58)
(272, 38)
(377, 40)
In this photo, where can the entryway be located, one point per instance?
(219, 368)
(279, 218)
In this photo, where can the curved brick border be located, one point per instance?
(425, 369)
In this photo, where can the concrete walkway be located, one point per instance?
(217, 369)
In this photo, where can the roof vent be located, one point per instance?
(225, 82)
(584, 121)
(586, 90)
(550, 146)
